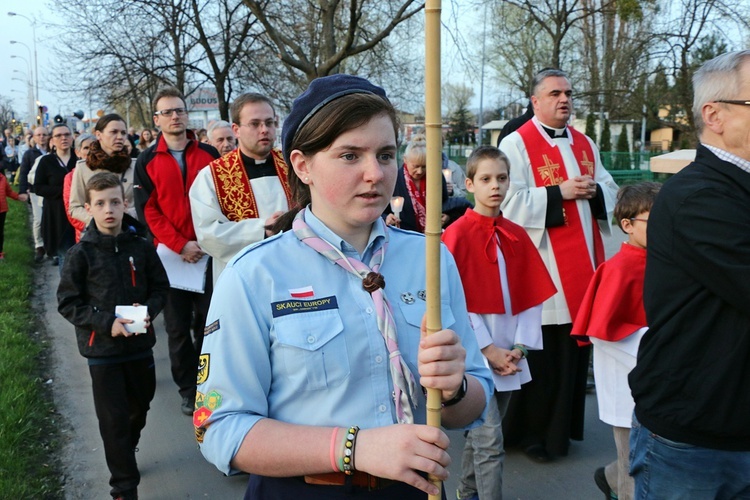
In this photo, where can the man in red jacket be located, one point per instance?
(164, 174)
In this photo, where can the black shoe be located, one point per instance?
(55, 261)
(601, 482)
(538, 453)
(39, 254)
(188, 405)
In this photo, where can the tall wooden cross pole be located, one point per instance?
(433, 226)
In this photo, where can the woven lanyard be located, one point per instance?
(373, 282)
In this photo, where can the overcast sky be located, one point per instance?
(19, 29)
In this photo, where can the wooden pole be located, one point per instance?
(433, 225)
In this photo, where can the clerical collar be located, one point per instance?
(258, 168)
(249, 162)
(555, 133)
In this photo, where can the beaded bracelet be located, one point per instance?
(349, 442)
(522, 348)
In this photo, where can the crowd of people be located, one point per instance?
(270, 266)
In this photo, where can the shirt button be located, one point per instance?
(310, 339)
(378, 358)
(382, 408)
(368, 310)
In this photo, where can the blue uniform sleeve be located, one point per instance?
(234, 371)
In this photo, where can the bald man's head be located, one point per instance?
(41, 137)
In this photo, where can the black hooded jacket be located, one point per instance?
(102, 272)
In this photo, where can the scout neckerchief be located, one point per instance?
(373, 282)
(567, 241)
(233, 189)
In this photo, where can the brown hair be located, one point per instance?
(168, 92)
(101, 181)
(635, 199)
(102, 122)
(250, 97)
(321, 130)
(484, 153)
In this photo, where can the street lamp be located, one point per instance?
(36, 59)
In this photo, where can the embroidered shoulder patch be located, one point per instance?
(211, 328)
(204, 362)
(200, 416)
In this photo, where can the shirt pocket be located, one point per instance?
(412, 313)
(312, 347)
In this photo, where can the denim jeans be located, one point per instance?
(666, 470)
(484, 453)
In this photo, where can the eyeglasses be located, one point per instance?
(170, 112)
(255, 124)
(632, 219)
(60, 136)
(732, 101)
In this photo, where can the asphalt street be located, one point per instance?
(172, 467)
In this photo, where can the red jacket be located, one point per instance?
(161, 190)
(5, 192)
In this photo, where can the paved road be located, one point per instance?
(173, 468)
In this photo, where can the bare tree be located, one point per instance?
(315, 38)
(689, 26)
(7, 114)
(616, 38)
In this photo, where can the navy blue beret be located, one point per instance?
(321, 92)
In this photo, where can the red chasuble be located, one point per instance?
(233, 190)
(612, 308)
(472, 241)
(567, 241)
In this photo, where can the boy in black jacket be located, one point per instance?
(114, 265)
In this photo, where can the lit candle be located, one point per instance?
(397, 203)
(448, 175)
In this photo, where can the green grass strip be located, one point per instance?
(28, 435)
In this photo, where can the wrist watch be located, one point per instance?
(459, 395)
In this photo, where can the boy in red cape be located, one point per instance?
(613, 319)
(505, 282)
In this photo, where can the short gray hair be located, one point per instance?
(83, 138)
(717, 79)
(215, 125)
(543, 75)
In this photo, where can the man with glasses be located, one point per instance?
(41, 142)
(564, 198)
(691, 385)
(238, 195)
(163, 175)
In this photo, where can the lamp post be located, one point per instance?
(36, 59)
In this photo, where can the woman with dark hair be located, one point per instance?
(306, 345)
(57, 233)
(107, 153)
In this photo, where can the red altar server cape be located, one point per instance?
(472, 241)
(612, 307)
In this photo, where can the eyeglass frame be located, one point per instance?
(169, 112)
(632, 219)
(255, 124)
(733, 101)
(58, 136)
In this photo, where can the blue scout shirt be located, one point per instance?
(294, 337)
